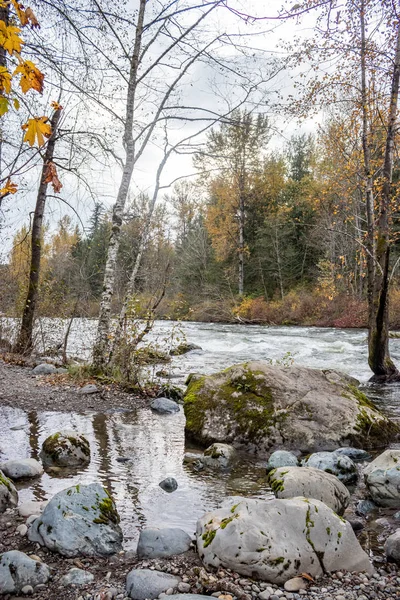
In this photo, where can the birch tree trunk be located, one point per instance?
(24, 341)
(101, 347)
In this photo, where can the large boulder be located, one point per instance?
(145, 584)
(8, 493)
(281, 458)
(382, 477)
(23, 468)
(338, 464)
(18, 570)
(79, 521)
(290, 482)
(65, 449)
(156, 543)
(275, 540)
(269, 407)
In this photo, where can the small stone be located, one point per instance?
(90, 388)
(169, 484)
(184, 588)
(295, 584)
(265, 595)
(169, 591)
(27, 590)
(22, 529)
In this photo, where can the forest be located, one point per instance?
(191, 204)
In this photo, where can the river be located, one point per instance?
(154, 444)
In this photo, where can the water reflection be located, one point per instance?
(155, 448)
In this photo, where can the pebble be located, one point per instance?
(22, 529)
(27, 590)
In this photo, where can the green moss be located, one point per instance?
(328, 530)
(208, 537)
(226, 521)
(213, 452)
(5, 481)
(277, 561)
(53, 446)
(234, 507)
(108, 511)
(363, 400)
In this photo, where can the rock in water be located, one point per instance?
(219, 456)
(8, 493)
(382, 477)
(281, 458)
(164, 406)
(79, 521)
(65, 449)
(17, 570)
(22, 469)
(184, 349)
(290, 482)
(155, 543)
(277, 539)
(169, 484)
(143, 584)
(338, 464)
(273, 407)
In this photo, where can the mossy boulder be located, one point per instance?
(266, 408)
(275, 540)
(79, 521)
(184, 348)
(8, 493)
(65, 449)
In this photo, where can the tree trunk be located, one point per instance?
(378, 340)
(241, 244)
(24, 341)
(101, 347)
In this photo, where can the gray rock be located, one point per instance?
(77, 577)
(274, 540)
(142, 584)
(27, 590)
(365, 506)
(17, 570)
(281, 458)
(164, 406)
(30, 507)
(296, 408)
(382, 477)
(155, 543)
(219, 456)
(290, 482)
(8, 493)
(44, 369)
(340, 465)
(79, 521)
(65, 449)
(295, 584)
(22, 469)
(184, 349)
(61, 370)
(392, 547)
(356, 454)
(189, 597)
(90, 388)
(169, 484)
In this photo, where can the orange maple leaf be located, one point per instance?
(30, 15)
(56, 106)
(5, 80)
(9, 38)
(9, 188)
(31, 77)
(36, 129)
(52, 177)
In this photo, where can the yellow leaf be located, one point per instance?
(31, 77)
(56, 106)
(16, 104)
(36, 129)
(5, 80)
(9, 188)
(19, 9)
(3, 105)
(9, 38)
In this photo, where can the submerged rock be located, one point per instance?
(66, 449)
(17, 570)
(8, 493)
(269, 407)
(382, 477)
(23, 468)
(156, 543)
(169, 484)
(164, 406)
(281, 458)
(79, 521)
(219, 456)
(276, 540)
(144, 584)
(340, 465)
(290, 482)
